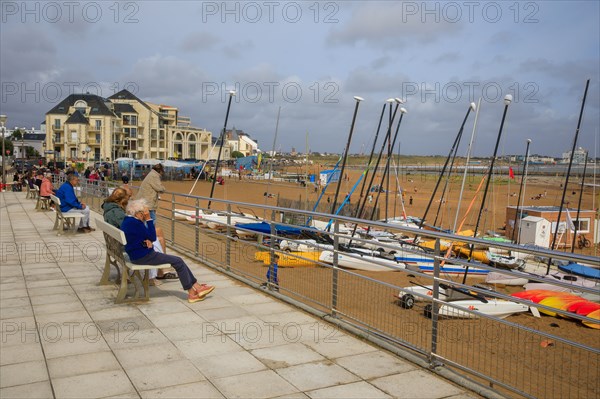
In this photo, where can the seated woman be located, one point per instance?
(160, 244)
(46, 188)
(139, 231)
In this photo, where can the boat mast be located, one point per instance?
(579, 203)
(462, 187)
(519, 213)
(472, 107)
(564, 193)
(337, 188)
(403, 111)
(507, 100)
(212, 188)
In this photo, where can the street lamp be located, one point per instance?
(86, 154)
(2, 122)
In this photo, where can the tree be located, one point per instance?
(237, 154)
(17, 134)
(8, 145)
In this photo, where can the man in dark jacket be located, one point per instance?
(69, 201)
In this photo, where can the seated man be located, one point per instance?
(69, 201)
(139, 231)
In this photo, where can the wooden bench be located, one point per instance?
(66, 220)
(30, 192)
(127, 272)
(43, 203)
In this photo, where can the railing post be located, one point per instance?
(434, 305)
(197, 228)
(228, 240)
(334, 277)
(271, 280)
(172, 218)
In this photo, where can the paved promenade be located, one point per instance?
(63, 336)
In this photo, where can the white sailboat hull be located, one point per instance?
(495, 308)
(359, 261)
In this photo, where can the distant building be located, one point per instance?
(578, 157)
(90, 127)
(240, 141)
(585, 224)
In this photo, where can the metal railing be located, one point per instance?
(545, 357)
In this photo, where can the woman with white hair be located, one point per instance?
(140, 232)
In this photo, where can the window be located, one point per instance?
(582, 225)
(98, 138)
(133, 133)
(98, 124)
(192, 151)
(73, 136)
(130, 120)
(57, 123)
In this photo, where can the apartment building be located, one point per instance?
(238, 140)
(88, 127)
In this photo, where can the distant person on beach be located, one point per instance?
(410, 200)
(272, 274)
(151, 188)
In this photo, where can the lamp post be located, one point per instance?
(86, 153)
(2, 122)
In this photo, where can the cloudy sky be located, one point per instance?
(310, 58)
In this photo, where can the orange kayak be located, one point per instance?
(594, 315)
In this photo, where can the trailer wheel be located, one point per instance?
(428, 311)
(407, 301)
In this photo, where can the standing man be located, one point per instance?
(151, 188)
(68, 201)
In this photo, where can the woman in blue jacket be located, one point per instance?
(139, 231)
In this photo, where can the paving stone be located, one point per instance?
(161, 308)
(51, 308)
(338, 345)
(208, 345)
(214, 303)
(140, 355)
(10, 294)
(356, 390)
(16, 312)
(119, 339)
(164, 374)
(268, 308)
(81, 317)
(94, 385)
(286, 355)
(185, 333)
(115, 313)
(223, 313)
(200, 390)
(188, 318)
(228, 364)
(14, 302)
(21, 353)
(249, 299)
(74, 346)
(374, 364)
(53, 298)
(262, 384)
(417, 383)
(61, 289)
(296, 317)
(70, 366)
(23, 373)
(316, 375)
(36, 390)
(47, 283)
